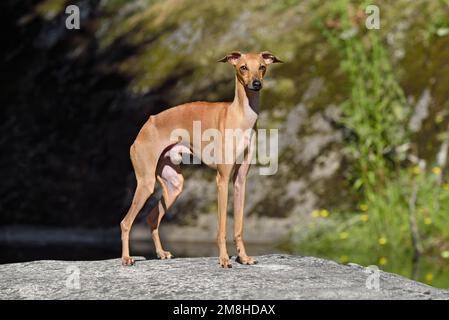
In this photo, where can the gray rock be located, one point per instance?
(275, 277)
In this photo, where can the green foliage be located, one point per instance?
(392, 193)
(376, 109)
(50, 8)
(379, 231)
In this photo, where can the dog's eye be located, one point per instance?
(262, 68)
(243, 68)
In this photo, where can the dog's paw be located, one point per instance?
(225, 262)
(127, 261)
(164, 255)
(246, 260)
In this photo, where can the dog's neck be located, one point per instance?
(245, 98)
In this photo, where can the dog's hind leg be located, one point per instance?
(171, 180)
(144, 162)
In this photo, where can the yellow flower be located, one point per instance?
(344, 235)
(382, 241)
(364, 217)
(324, 213)
(446, 186)
(315, 213)
(427, 221)
(344, 259)
(363, 207)
(429, 277)
(383, 261)
(416, 170)
(439, 118)
(436, 170)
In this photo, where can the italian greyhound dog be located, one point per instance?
(150, 155)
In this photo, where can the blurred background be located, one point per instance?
(363, 120)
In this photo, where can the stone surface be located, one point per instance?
(275, 277)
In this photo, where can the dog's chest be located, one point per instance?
(245, 130)
(246, 119)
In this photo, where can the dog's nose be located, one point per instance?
(257, 84)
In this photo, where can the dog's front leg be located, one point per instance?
(239, 204)
(222, 186)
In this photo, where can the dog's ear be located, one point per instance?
(270, 58)
(232, 57)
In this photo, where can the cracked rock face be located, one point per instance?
(275, 277)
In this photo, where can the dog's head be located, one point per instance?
(250, 68)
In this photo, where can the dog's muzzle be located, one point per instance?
(256, 85)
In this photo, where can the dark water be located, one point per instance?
(23, 253)
(11, 254)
